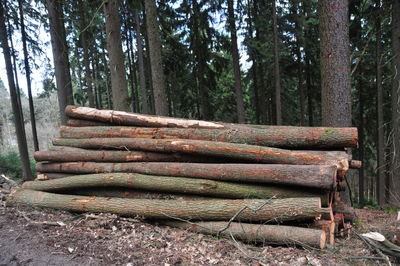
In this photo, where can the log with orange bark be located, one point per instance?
(315, 176)
(251, 153)
(271, 136)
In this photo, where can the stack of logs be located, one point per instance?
(272, 184)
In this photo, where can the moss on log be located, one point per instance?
(256, 233)
(273, 210)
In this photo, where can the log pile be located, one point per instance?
(272, 184)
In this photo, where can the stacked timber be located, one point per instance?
(271, 184)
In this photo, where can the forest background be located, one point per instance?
(236, 61)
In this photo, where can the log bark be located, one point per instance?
(284, 137)
(71, 122)
(275, 210)
(269, 234)
(173, 185)
(349, 135)
(236, 151)
(316, 176)
(119, 192)
(69, 154)
(349, 213)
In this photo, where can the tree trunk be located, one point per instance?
(217, 210)
(157, 71)
(236, 66)
(335, 65)
(277, 75)
(316, 176)
(272, 136)
(394, 188)
(246, 152)
(381, 165)
(28, 76)
(22, 146)
(167, 184)
(119, 85)
(143, 90)
(67, 154)
(299, 45)
(60, 56)
(86, 42)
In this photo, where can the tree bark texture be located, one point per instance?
(120, 192)
(260, 210)
(119, 84)
(335, 63)
(251, 153)
(381, 165)
(166, 184)
(283, 137)
(394, 188)
(60, 56)
(266, 234)
(277, 75)
(142, 77)
(66, 154)
(86, 42)
(19, 124)
(28, 76)
(315, 176)
(157, 71)
(71, 122)
(236, 65)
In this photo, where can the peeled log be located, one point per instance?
(268, 234)
(172, 185)
(272, 136)
(216, 210)
(316, 176)
(75, 154)
(208, 148)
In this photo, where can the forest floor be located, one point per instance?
(30, 236)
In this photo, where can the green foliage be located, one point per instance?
(10, 165)
(391, 210)
(358, 223)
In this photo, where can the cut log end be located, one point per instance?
(322, 241)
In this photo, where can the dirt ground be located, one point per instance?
(49, 237)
